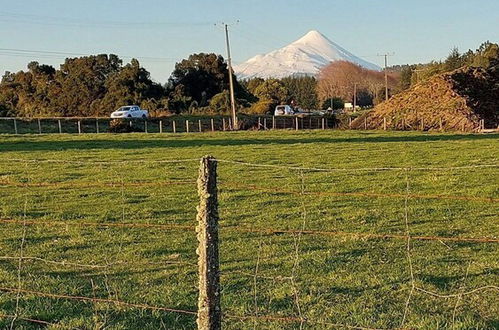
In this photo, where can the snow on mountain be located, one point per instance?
(304, 57)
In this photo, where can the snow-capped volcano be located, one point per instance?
(306, 56)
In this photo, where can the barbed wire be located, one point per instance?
(93, 162)
(262, 230)
(93, 184)
(98, 266)
(317, 169)
(97, 300)
(358, 194)
(101, 224)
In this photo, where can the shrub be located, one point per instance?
(123, 126)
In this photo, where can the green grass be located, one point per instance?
(336, 279)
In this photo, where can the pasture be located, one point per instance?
(97, 231)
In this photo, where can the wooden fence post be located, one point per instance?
(209, 310)
(296, 120)
(15, 126)
(273, 122)
(160, 126)
(60, 126)
(187, 126)
(79, 126)
(323, 123)
(212, 125)
(223, 124)
(145, 125)
(365, 123)
(199, 125)
(39, 126)
(174, 127)
(265, 123)
(384, 123)
(97, 125)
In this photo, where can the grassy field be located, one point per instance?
(329, 281)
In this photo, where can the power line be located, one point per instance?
(56, 54)
(67, 21)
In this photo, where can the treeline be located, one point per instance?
(411, 75)
(85, 86)
(97, 85)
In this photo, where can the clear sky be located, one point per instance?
(161, 32)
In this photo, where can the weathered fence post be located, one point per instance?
(365, 123)
(265, 123)
(223, 124)
(296, 119)
(209, 309)
(59, 125)
(15, 126)
(39, 126)
(384, 123)
(174, 126)
(199, 125)
(187, 126)
(160, 126)
(145, 125)
(97, 125)
(212, 125)
(323, 123)
(273, 122)
(79, 126)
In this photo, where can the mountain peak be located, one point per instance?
(312, 36)
(304, 57)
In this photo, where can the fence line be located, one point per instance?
(89, 184)
(101, 224)
(261, 231)
(297, 236)
(317, 169)
(297, 168)
(361, 194)
(98, 162)
(97, 266)
(97, 300)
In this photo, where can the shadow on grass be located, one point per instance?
(172, 142)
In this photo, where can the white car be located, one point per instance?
(284, 110)
(130, 111)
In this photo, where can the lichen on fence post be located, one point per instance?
(209, 310)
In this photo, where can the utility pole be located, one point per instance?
(386, 73)
(235, 125)
(355, 97)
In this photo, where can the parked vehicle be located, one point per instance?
(130, 111)
(284, 110)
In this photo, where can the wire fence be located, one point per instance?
(110, 243)
(175, 124)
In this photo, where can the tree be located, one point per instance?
(334, 103)
(302, 90)
(272, 90)
(130, 85)
(200, 77)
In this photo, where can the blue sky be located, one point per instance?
(162, 32)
